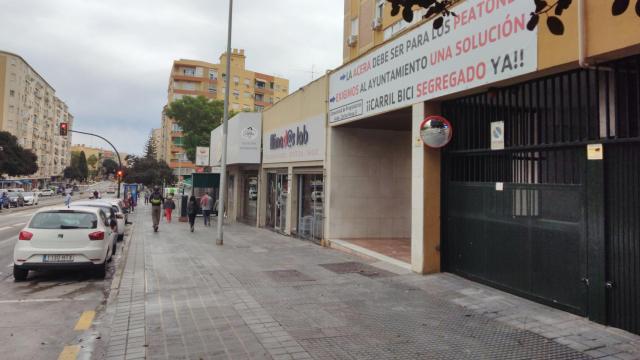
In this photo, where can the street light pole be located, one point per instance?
(114, 149)
(223, 162)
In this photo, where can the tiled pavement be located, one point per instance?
(265, 296)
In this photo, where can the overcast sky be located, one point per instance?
(109, 60)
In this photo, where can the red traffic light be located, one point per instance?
(64, 128)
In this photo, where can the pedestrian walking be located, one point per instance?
(132, 202)
(205, 204)
(146, 197)
(67, 199)
(192, 211)
(156, 201)
(169, 205)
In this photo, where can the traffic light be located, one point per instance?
(64, 129)
(119, 174)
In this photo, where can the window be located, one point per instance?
(12, 93)
(177, 141)
(259, 97)
(246, 95)
(354, 27)
(212, 89)
(213, 75)
(189, 71)
(260, 84)
(379, 9)
(247, 82)
(270, 85)
(236, 80)
(259, 108)
(176, 127)
(236, 93)
(199, 71)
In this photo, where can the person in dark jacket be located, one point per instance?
(169, 205)
(192, 211)
(156, 201)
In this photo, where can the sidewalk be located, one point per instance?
(266, 296)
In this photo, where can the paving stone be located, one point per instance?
(296, 300)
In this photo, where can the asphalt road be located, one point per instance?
(39, 317)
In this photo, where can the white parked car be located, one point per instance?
(122, 215)
(63, 238)
(30, 198)
(47, 192)
(111, 210)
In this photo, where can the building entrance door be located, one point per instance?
(278, 189)
(311, 206)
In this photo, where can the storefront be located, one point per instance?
(243, 164)
(293, 171)
(537, 191)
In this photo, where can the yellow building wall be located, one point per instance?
(3, 89)
(300, 105)
(605, 34)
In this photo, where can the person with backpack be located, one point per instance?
(169, 205)
(156, 201)
(192, 211)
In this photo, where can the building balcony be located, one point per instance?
(192, 78)
(181, 164)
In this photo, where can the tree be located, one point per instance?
(110, 166)
(130, 160)
(14, 159)
(150, 172)
(197, 116)
(440, 9)
(92, 161)
(82, 166)
(150, 150)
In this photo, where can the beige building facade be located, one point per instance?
(250, 91)
(30, 110)
(291, 193)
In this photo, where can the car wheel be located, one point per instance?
(20, 274)
(101, 271)
(120, 237)
(113, 249)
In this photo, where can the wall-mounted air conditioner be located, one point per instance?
(376, 24)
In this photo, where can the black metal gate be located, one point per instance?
(521, 218)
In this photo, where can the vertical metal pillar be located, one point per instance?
(223, 163)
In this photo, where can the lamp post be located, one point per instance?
(225, 119)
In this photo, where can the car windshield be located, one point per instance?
(64, 220)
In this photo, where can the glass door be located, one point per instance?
(311, 206)
(281, 193)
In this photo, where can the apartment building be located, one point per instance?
(100, 153)
(30, 110)
(250, 91)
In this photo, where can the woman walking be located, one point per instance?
(169, 205)
(192, 210)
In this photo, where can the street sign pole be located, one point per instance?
(223, 162)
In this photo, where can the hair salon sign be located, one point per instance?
(486, 42)
(302, 141)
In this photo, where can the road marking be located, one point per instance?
(18, 224)
(5, 228)
(29, 301)
(69, 353)
(84, 323)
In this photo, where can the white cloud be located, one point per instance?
(110, 59)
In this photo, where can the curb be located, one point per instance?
(117, 277)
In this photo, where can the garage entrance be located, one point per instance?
(553, 215)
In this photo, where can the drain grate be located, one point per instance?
(287, 276)
(353, 267)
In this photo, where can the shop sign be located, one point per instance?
(436, 131)
(243, 140)
(303, 141)
(497, 135)
(202, 156)
(486, 42)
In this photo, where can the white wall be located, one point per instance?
(370, 180)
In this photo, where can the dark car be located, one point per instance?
(15, 199)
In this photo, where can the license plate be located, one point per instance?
(57, 258)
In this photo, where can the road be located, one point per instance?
(39, 316)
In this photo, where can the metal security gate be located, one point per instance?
(541, 218)
(623, 234)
